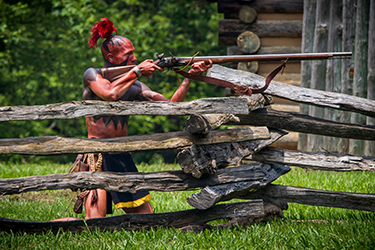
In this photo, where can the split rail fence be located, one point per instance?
(204, 154)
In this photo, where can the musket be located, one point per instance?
(171, 63)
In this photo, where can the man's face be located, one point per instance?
(121, 52)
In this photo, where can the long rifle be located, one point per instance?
(114, 73)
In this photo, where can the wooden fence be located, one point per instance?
(293, 26)
(204, 154)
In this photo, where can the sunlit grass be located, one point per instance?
(302, 227)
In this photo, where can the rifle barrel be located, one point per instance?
(270, 57)
(114, 73)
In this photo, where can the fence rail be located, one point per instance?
(216, 149)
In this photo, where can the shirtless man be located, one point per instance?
(119, 51)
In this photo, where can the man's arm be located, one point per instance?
(181, 92)
(113, 91)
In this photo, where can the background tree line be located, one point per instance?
(44, 53)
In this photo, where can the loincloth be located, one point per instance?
(119, 162)
(123, 162)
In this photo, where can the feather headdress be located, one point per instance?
(102, 29)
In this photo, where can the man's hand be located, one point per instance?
(200, 67)
(148, 67)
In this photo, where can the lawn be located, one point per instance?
(303, 227)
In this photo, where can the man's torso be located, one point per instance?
(101, 126)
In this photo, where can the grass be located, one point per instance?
(303, 227)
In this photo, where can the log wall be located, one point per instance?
(310, 26)
(278, 25)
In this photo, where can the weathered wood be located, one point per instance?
(202, 124)
(318, 68)
(91, 108)
(314, 160)
(305, 124)
(209, 196)
(277, 193)
(268, 6)
(248, 66)
(207, 159)
(370, 146)
(165, 181)
(139, 221)
(309, 10)
(50, 145)
(360, 67)
(347, 66)
(248, 42)
(247, 14)
(295, 93)
(262, 28)
(333, 71)
(235, 50)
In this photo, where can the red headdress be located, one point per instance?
(102, 29)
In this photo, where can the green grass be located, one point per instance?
(303, 227)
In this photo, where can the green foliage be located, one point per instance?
(43, 54)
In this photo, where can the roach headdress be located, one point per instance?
(102, 29)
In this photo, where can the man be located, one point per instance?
(119, 51)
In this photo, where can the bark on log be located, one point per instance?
(49, 145)
(139, 221)
(267, 6)
(165, 181)
(207, 159)
(297, 94)
(202, 124)
(209, 196)
(262, 28)
(305, 124)
(247, 14)
(314, 160)
(248, 42)
(91, 108)
(235, 50)
(277, 193)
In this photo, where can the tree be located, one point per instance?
(43, 54)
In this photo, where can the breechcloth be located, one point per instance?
(122, 162)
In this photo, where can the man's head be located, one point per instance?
(116, 50)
